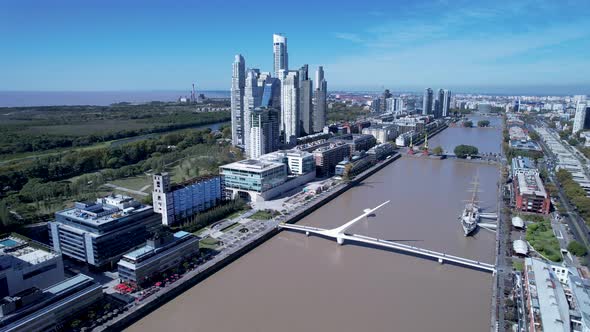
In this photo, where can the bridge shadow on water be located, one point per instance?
(407, 253)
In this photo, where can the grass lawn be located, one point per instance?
(208, 243)
(541, 237)
(518, 266)
(264, 214)
(134, 182)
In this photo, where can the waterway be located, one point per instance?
(298, 283)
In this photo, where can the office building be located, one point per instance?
(582, 117)
(238, 84)
(327, 157)
(258, 179)
(523, 165)
(381, 151)
(357, 142)
(547, 305)
(382, 132)
(298, 162)
(264, 131)
(427, 101)
(176, 202)
(305, 102)
(100, 232)
(530, 194)
(446, 103)
(376, 105)
(290, 108)
(252, 99)
(25, 264)
(46, 310)
(281, 57)
(162, 252)
(516, 105)
(383, 100)
(320, 101)
(250, 179)
(580, 303)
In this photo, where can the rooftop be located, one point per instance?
(25, 251)
(252, 165)
(104, 210)
(548, 297)
(531, 184)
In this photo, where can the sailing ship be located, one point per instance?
(470, 216)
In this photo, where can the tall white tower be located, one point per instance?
(290, 107)
(281, 58)
(238, 82)
(252, 100)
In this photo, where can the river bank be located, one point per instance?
(225, 258)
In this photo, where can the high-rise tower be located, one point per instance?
(281, 58)
(290, 107)
(320, 101)
(238, 82)
(252, 99)
(446, 103)
(427, 101)
(305, 101)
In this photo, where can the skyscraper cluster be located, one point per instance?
(438, 107)
(268, 112)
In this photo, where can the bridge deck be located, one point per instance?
(395, 245)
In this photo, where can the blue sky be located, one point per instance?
(401, 45)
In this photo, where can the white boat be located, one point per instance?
(470, 216)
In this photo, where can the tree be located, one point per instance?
(483, 123)
(226, 132)
(573, 142)
(534, 136)
(468, 124)
(577, 248)
(462, 151)
(438, 150)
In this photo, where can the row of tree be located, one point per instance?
(575, 193)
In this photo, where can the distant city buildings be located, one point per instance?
(176, 202)
(301, 103)
(99, 233)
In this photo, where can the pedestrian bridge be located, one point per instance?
(339, 233)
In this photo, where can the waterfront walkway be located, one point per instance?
(339, 233)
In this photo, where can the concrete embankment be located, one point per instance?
(194, 277)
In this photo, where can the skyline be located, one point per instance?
(525, 47)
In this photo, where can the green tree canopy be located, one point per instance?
(462, 151)
(467, 124)
(438, 150)
(483, 123)
(577, 248)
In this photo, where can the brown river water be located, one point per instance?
(298, 283)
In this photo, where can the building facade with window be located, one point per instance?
(179, 201)
(99, 233)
